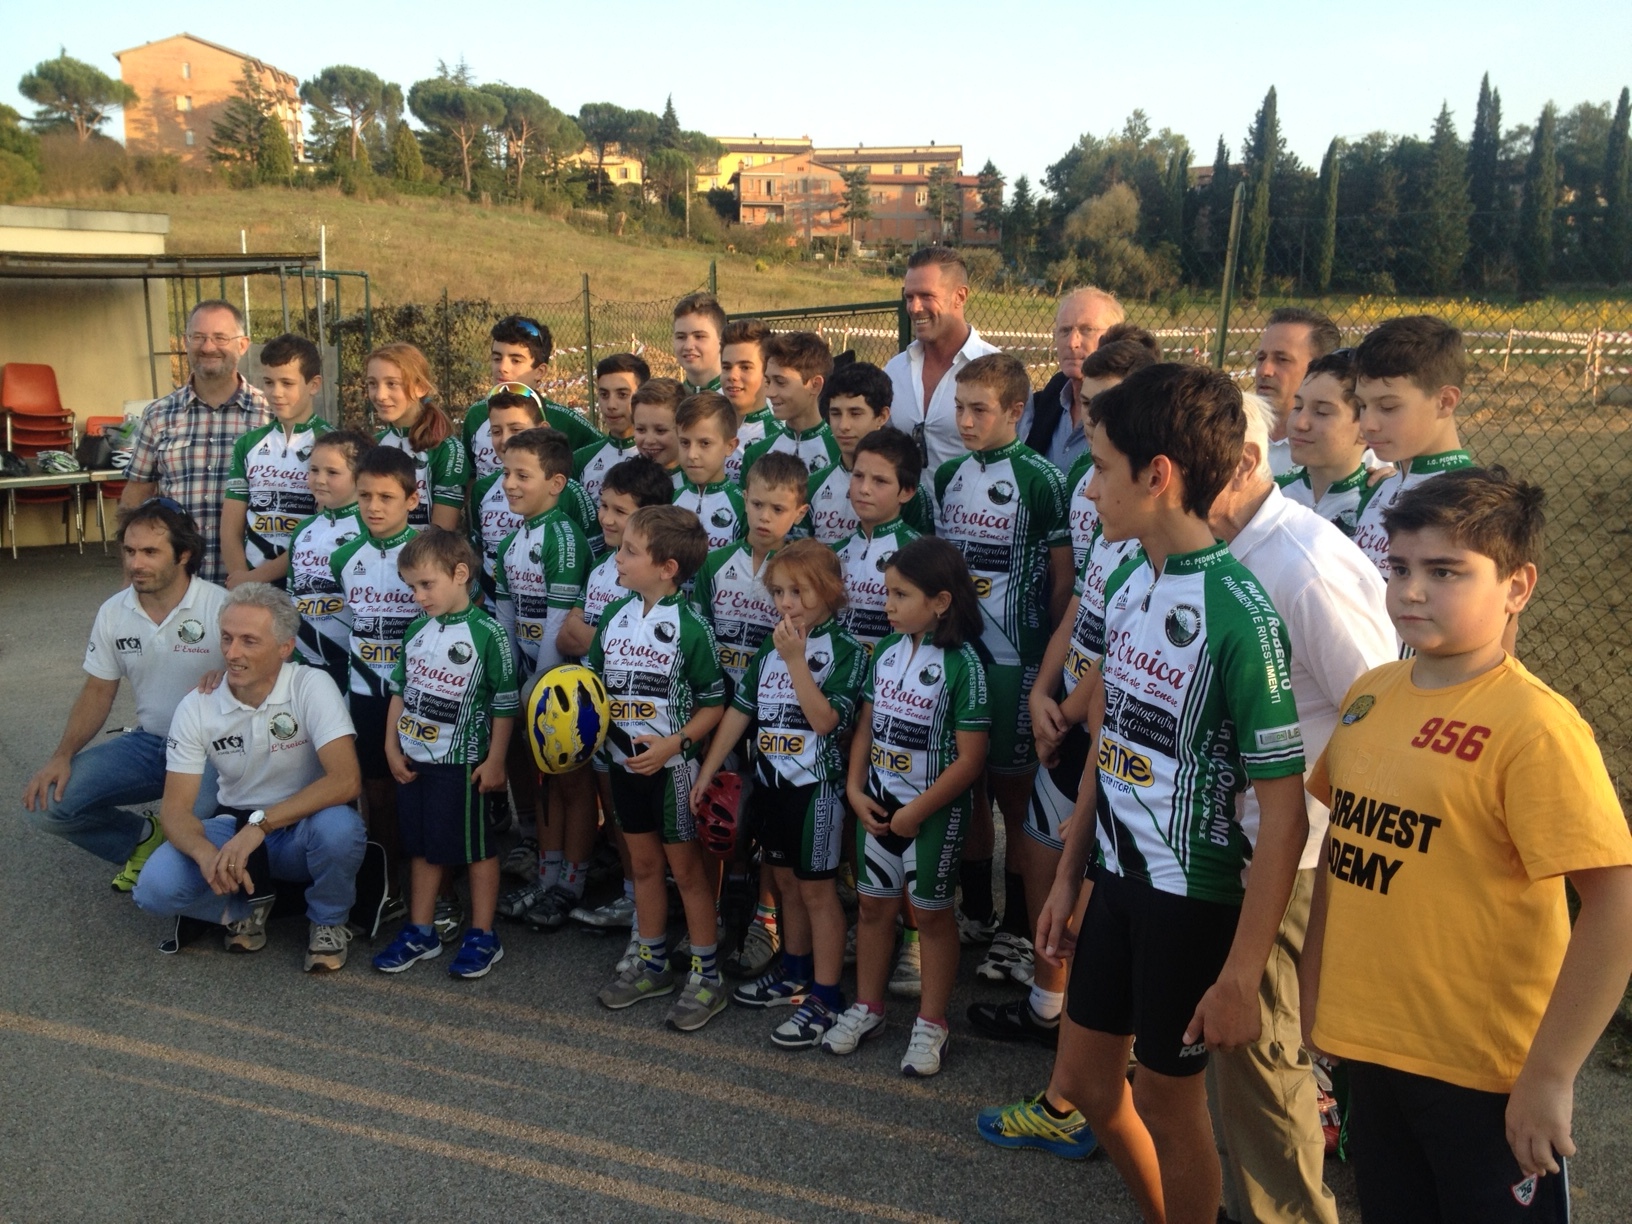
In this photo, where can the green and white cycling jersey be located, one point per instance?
(1005, 509)
(1339, 505)
(268, 471)
(455, 675)
(1198, 701)
(783, 738)
(492, 520)
(922, 697)
(864, 556)
(324, 613)
(730, 593)
(538, 579)
(755, 427)
(476, 435)
(659, 668)
(815, 447)
(601, 590)
(1088, 629)
(1082, 514)
(382, 606)
(591, 463)
(831, 517)
(439, 472)
(718, 506)
(1369, 534)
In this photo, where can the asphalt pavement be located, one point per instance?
(204, 1086)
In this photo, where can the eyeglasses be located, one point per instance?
(515, 388)
(219, 339)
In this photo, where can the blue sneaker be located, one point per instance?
(479, 952)
(1027, 1124)
(409, 946)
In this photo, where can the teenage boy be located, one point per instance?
(382, 607)
(855, 401)
(658, 660)
(883, 482)
(1121, 353)
(797, 365)
(520, 352)
(325, 620)
(1003, 505)
(1197, 702)
(1408, 378)
(652, 413)
(617, 378)
(1323, 434)
(1441, 963)
(707, 426)
(742, 381)
(453, 704)
(699, 327)
(267, 496)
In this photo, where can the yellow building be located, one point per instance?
(746, 152)
(621, 170)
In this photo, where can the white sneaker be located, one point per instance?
(974, 931)
(326, 947)
(1008, 960)
(618, 912)
(854, 1025)
(908, 980)
(925, 1049)
(760, 944)
(249, 934)
(631, 955)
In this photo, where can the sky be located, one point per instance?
(1015, 82)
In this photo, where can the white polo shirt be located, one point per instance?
(162, 661)
(908, 410)
(1331, 600)
(263, 753)
(1280, 456)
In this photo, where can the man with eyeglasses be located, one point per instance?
(183, 448)
(1052, 424)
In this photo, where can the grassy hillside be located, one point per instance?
(412, 248)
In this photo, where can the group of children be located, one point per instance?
(773, 589)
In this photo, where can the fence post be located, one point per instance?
(1227, 296)
(589, 352)
(903, 325)
(713, 277)
(445, 355)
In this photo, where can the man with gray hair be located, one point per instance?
(1265, 1101)
(1052, 423)
(282, 742)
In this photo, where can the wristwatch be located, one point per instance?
(257, 820)
(685, 744)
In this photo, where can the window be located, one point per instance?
(623, 172)
(187, 138)
(920, 167)
(922, 197)
(186, 71)
(748, 160)
(767, 187)
(184, 102)
(897, 168)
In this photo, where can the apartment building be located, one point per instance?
(184, 83)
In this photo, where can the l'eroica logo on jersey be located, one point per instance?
(283, 726)
(818, 661)
(190, 631)
(723, 517)
(930, 675)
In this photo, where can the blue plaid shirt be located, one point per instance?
(185, 447)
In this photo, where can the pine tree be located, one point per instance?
(858, 198)
(668, 128)
(274, 159)
(1326, 240)
(1220, 201)
(1443, 244)
(1177, 186)
(407, 163)
(1263, 144)
(989, 191)
(944, 203)
(236, 138)
(1020, 222)
(1617, 240)
(1483, 168)
(1535, 242)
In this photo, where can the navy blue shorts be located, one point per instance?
(370, 715)
(442, 817)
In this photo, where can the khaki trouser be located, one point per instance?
(1264, 1100)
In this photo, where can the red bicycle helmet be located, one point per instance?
(719, 819)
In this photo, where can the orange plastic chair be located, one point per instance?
(36, 421)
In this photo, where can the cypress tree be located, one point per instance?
(1617, 260)
(1219, 198)
(407, 163)
(1483, 167)
(274, 159)
(1443, 246)
(1178, 190)
(1263, 143)
(1326, 240)
(1535, 242)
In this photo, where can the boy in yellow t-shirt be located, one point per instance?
(1463, 792)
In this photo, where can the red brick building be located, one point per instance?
(184, 83)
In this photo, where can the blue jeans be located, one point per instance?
(326, 848)
(122, 770)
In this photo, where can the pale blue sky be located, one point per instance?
(1015, 81)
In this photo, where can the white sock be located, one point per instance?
(549, 868)
(1047, 1003)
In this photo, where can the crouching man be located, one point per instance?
(281, 739)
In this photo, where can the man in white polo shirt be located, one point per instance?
(283, 743)
(1293, 337)
(162, 633)
(1330, 597)
(924, 374)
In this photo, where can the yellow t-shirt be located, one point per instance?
(1456, 813)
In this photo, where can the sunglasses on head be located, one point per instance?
(524, 325)
(516, 388)
(166, 503)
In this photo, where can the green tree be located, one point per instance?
(944, 202)
(407, 163)
(16, 139)
(1020, 222)
(354, 97)
(19, 178)
(70, 92)
(235, 140)
(1617, 237)
(668, 133)
(1534, 254)
(1178, 191)
(858, 198)
(989, 191)
(463, 113)
(1263, 144)
(1485, 239)
(274, 158)
(1105, 229)
(531, 128)
(1326, 240)
(1442, 248)
(1220, 201)
(604, 124)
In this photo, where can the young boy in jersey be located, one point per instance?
(1441, 963)
(267, 496)
(855, 401)
(539, 577)
(453, 706)
(742, 381)
(699, 325)
(617, 378)
(883, 482)
(707, 426)
(1408, 378)
(796, 368)
(382, 607)
(519, 352)
(1003, 505)
(1197, 702)
(1123, 350)
(652, 412)
(325, 619)
(657, 657)
(1323, 433)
